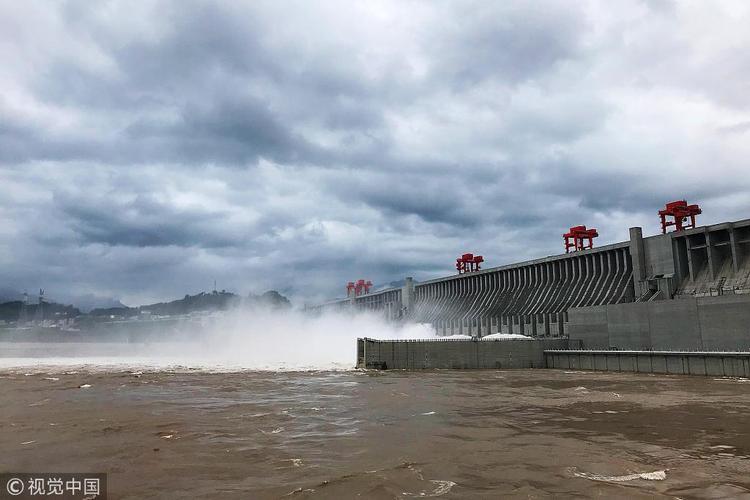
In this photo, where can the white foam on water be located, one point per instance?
(240, 341)
(507, 336)
(658, 475)
(277, 430)
(442, 488)
(722, 447)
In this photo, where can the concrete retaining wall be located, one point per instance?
(702, 323)
(456, 354)
(716, 364)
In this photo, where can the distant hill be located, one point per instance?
(124, 311)
(271, 298)
(202, 302)
(213, 301)
(85, 302)
(89, 302)
(9, 295)
(12, 311)
(190, 303)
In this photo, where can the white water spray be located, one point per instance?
(241, 340)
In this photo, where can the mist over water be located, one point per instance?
(241, 340)
(294, 340)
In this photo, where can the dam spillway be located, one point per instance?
(530, 298)
(636, 289)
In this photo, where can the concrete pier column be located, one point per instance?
(712, 264)
(736, 257)
(691, 266)
(407, 295)
(638, 257)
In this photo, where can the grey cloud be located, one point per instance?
(735, 128)
(199, 74)
(200, 43)
(238, 131)
(507, 42)
(434, 200)
(143, 156)
(142, 222)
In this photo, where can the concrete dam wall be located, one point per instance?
(529, 298)
(636, 294)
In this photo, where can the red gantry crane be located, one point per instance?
(680, 211)
(468, 263)
(361, 287)
(576, 237)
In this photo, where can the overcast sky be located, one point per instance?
(148, 148)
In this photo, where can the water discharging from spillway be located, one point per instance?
(241, 340)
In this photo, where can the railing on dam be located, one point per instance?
(717, 364)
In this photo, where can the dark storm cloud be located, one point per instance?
(434, 200)
(147, 149)
(239, 131)
(199, 43)
(187, 97)
(142, 222)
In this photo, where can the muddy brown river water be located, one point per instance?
(353, 434)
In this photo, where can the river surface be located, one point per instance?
(180, 433)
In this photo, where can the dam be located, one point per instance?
(681, 290)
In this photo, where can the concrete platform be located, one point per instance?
(707, 363)
(454, 353)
